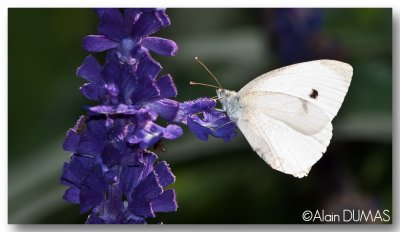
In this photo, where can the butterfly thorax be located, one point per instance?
(230, 102)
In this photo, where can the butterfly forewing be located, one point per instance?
(322, 82)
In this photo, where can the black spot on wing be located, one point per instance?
(314, 94)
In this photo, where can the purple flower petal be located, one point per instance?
(72, 195)
(148, 160)
(95, 181)
(163, 17)
(111, 156)
(166, 202)
(166, 108)
(88, 200)
(146, 191)
(144, 91)
(131, 15)
(114, 71)
(213, 123)
(172, 132)
(150, 22)
(93, 138)
(196, 128)
(161, 46)
(119, 109)
(72, 141)
(96, 189)
(167, 87)
(90, 70)
(111, 23)
(148, 67)
(76, 170)
(142, 208)
(192, 107)
(92, 91)
(164, 174)
(222, 126)
(98, 43)
(150, 135)
(134, 139)
(130, 177)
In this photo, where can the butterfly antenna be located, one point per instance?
(201, 63)
(196, 83)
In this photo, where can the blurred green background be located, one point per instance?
(216, 182)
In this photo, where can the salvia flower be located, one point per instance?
(129, 34)
(203, 119)
(100, 189)
(122, 88)
(112, 174)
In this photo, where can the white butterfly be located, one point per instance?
(286, 114)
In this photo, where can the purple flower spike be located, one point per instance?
(111, 173)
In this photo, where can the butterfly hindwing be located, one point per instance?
(282, 147)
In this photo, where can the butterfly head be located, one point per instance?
(221, 93)
(224, 93)
(228, 99)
